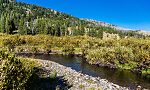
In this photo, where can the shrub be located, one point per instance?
(53, 76)
(68, 50)
(101, 55)
(34, 49)
(121, 57)
(14, 72)
(125, 53)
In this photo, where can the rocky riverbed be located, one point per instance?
(79, 81)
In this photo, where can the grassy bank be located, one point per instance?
(125, 53)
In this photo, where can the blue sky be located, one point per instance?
(132, 14)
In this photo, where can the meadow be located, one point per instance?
(124, 53)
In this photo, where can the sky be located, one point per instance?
(131, 14)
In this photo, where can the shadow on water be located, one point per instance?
(121, 77)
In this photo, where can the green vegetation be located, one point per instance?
(91, 88)
(18, 73)
(68, 50)
(26, 19)
(14, 72)
(53, 76)
(146, 73)
(125, 53)
(81, 86)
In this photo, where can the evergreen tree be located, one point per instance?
(2, 20)
(32, 19)
(9, 25)
(21, 29)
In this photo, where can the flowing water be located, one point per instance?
(123, 78)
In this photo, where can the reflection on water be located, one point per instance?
(122, 78)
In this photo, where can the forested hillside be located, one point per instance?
(26, 19)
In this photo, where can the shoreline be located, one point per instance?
(59, 52)
(77, 80)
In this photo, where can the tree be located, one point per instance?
(21, 27)
(7, 1)
(10, 25)
(2, 24)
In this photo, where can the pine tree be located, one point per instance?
(21, 27)
(2, 20)
(1, 26)
(7, 1)
(9, 25)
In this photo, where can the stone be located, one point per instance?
(76, 79)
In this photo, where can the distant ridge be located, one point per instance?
(102, 23)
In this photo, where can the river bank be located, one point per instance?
(80, 54)
(77, 80)
(124, 78)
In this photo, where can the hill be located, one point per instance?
(22, 18)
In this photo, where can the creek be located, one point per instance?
(123, 78)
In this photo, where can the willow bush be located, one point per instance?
(114, 56)
(125, 53)
(68, 50)
(14, 72)
(101, 55)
